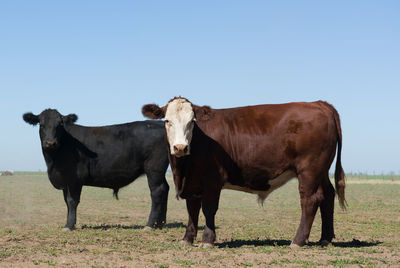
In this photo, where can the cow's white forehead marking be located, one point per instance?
(179, 127)
(179, 109)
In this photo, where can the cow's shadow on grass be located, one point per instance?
(255, 243)
(111, 226)
(355, 243)
(272, 242)
(171, 225)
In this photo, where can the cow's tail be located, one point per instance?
(115, 193)
(340, 184)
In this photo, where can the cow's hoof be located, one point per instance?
(159, 225)
(294, 246)
(325, 243)
(147, 229)
(205, 245)
(67, 229)
(185, 243)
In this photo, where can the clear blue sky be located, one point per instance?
(104, 59)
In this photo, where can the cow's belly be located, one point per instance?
(274, 183)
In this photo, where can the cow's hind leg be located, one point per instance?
(327, 211)
(159, 198)
(209, 208)
(72, 195)
(310, 198)
(193, 208)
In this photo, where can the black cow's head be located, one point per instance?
(51, 126)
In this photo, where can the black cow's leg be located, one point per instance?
(209, 210)
(193, 208)
(327, 210)
(159, 198)
(310, 197)
(72, 195)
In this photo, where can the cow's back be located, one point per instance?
(266, 140)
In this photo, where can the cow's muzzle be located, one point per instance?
(50, 145)
(181, 150)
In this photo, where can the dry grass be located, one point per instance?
(109, 231)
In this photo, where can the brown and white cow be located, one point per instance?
(254, 149)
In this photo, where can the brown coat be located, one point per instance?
(257, 149)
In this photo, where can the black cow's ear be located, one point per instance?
(69, 119)
(30, 118)
(153, 111)
(203, 113)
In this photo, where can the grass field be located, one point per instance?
(109, 232)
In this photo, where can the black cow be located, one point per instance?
(108, 156)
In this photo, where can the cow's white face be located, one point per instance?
(179, 123)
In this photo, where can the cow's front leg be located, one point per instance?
(209, 208)
(193, 208)
(72, 195)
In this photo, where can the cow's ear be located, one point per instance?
(153, 111)
(30, 118)
(203, 113)
(70, 119)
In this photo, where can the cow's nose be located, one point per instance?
(181, 149)
(50, 144)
